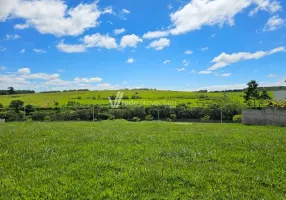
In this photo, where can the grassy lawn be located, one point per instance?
(124, 160)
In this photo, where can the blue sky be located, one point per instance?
(163, 44)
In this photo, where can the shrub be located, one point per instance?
(47, 119)
(111, 117)
(38, 116)
(206, 118)
(237, 118)
(173, 117)
(105, 116)
(149, 117)
(136, 119)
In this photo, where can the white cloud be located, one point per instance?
(159, 44)
(3, 68)
(41, 76)
(188, 52)
(97, 40)
(266, 5)
(170, 6)
(125, 11)
(224, 75)
(167, 61)
(39, 51)
(22, 26)
(24, 71)
(107, 10)
(155, 34)
(224, 59)
(272, 75)
(204, 48)
(12, 37)
(198, 13)
(6, 7)
(274, 23)
(2, 49)
(279, 82)
(70, 48)
(88, 80)
(181, 69)
(212, 36)
(52, 17)
(130, 60)
(130, 41)
(23, 51)
(205, 72)
(186, 63)
(193, 71)
(119, 31)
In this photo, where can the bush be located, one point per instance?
(173, 117)
(38, 116)
(237, 118)
(136, 119)
(149, 117)
(206, 118)
(47, 119)
(105, 116)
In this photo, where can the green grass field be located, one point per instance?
(147, 160)
(194, 99)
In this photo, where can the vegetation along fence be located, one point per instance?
(267, 116)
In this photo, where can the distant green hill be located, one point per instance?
(193, 99)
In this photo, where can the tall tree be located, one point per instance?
(11, 90)
(17, 105)
(251, 92)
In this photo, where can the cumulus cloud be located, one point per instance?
(71, 48)
(204, 48)
(159, 44)
(98, 40)
(224, 59)
(274, 23)
(24, 71)
(224, 75)
(125, 11)
(130, 41)
(186, 63)
(266, 5)
(88, 80)
(130, 60)
(12, 37)
(167, 62)
(155, 34)
(3, 68)
(272, 75)
(188, 52)
(181, 69)
(118, 31)
(39, 51)
(53, 17)
(23, 51)
(198, 13)
(205, 72)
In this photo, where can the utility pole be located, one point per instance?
(158, 114)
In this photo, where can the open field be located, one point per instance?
(148, 160)
(194, 99)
